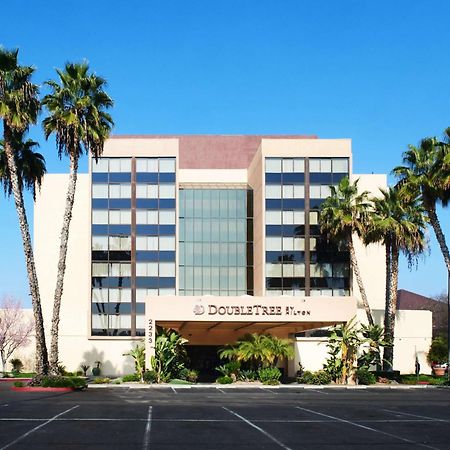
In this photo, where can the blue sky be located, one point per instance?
(375, 72)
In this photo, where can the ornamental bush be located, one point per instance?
(150, 376)
(318, 378)
(131, 377)
(269, 374)
(224, 380)
(363, 376)
(58, 381)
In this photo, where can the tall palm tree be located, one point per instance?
(342, 215)
(77, 117)
(399, 223)
(19, 107)
(426, 169)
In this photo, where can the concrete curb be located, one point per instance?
(305, 387)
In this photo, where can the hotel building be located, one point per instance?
(214, 236)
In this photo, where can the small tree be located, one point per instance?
(138, 354)
(15, 328)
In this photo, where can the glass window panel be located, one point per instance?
(152, 242)
(314, 165)
(299, 165)
(167, 243)
(99, 269)
(141, 165)
(197, 203)
(99, 216)
(273, 165)
(299, 191)
(152, 217)
(189, 283)
(325, 165)
(273, 243)
(241, 278)
(99, 242)
(340, 165)
(215, 254)
(166, 269)
(125, 270)
(273, 293)
(125, 216)
(141, 191)
(114, 243)
(288, 270)
(273, 270)
(241, 230)
(152, 165)
(99, 190)
(299, 270)
(206, 278)
(114, 165)
(197, 254)
(288, 191)
(299, 217)
(313, 218)
(100, 295)
(273, 191)
(125, 165)
(114, 269)
(223, 195)
(141, 243)
(141, 216)
(325, 191)
(167, 291)
(288, 217)
(166, 217)
(299, 244)
(288, 165)
(100, 321)
(273, 217)
(114, 216)
(101, 165)
(114, 190)
(215, 277)
(167, 165)
(152, 191)
(288, 243)
(166, 191)
(120, 321)
(125, 190)
(314, 191)
(312, 244)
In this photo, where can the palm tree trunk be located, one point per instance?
(41, 348)
(391, 309)
(355, 267)
(70, 198)
(434, 220)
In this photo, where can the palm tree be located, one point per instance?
(280, 348)
(19, 107)
(399, 223)
(342, 215)
(77, 117)
(426, 170)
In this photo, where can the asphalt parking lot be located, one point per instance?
(175, 418)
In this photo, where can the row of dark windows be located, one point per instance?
(148, 230)
(286, 204)
(125, 255)
(141, 203)
(116, 332)
(285, 230)
(117, 308)
(299, 283)
(141, 282)
(124, 177)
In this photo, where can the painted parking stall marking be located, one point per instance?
(23, 436)
(349, 422)
(274, 439)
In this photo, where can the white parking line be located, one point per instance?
(223, 392)
(23, 436)
(338, 419)
(414, 415)
(268, 390)
(173, 389)
(148, 428)
(274, 439)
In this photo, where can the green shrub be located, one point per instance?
(438, 351)
(102, 380)
(150, 376)
(56, 381)
(230, 368)
(271, 382)
(19, 384)
(131, 377)
(365, 377)
(224, 380)
(117, 381)
(318, 378)
(269, 374)
(178, 381)
(16, 364)
(79, 383)
(79, 373)
(248, 375)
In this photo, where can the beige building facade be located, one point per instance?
(214, 236)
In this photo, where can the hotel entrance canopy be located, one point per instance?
(214, 320)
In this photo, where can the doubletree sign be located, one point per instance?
(250, 310)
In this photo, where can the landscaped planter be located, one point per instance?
(439, 371)
(13, 380)
(41, 389)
